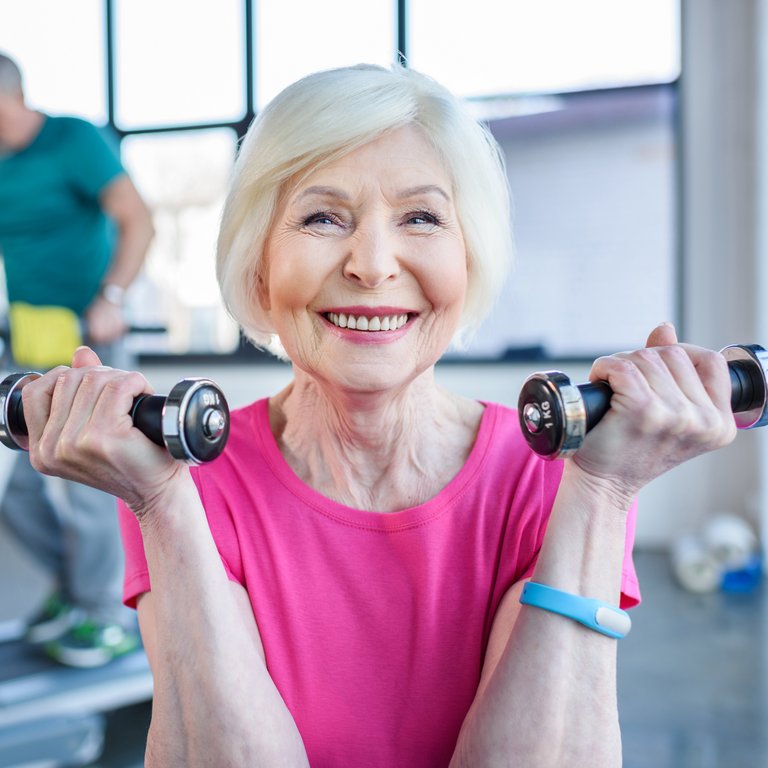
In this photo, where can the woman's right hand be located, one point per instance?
(80, 428)
(670, 403)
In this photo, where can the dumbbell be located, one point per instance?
(191, 422)
(555, 415)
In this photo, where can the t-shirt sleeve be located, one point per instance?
(94, 160)
(136, 579)
(630, 587)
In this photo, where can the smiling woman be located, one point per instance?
(345, 585)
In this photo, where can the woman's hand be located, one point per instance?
(80, 428)
(671, 402)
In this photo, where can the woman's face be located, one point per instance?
(366, 268)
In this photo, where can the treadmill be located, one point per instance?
(52, 715)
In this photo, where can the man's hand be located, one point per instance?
(104, 321)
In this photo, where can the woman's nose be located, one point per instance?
(372, 259)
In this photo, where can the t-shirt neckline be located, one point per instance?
(380, 521)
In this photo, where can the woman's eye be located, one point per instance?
(423, 217)
(321, 217)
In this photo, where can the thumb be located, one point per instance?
(84, 357)
(663, 335)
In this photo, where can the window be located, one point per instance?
(296, 37)
(581, 96)
(178, 61)
(548, 46)
(183, 177)
(59, 75)
(594, 196)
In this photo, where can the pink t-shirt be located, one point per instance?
(375, 625)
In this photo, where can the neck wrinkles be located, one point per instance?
(374, 451)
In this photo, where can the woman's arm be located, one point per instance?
(122, 203)
(214, 701)
(547, 696)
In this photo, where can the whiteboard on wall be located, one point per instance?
(594, 190)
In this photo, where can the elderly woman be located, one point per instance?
(342, 587)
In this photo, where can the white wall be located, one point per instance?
(722, 98)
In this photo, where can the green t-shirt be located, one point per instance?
(55, 240)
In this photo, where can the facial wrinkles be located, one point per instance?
(370, 191)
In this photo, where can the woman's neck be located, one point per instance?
(375, 451)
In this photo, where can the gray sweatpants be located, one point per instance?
(71, 530)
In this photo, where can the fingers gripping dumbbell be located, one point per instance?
(555, 415)
(192, 422)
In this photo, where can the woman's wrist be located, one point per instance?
(595, 491)
(173, 499)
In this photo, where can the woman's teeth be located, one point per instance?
(363, 323)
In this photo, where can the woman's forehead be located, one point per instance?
(403, 160)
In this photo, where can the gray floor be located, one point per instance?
(692, 681)
(693, 676)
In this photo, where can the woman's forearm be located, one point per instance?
(551, 700)
(214, 701)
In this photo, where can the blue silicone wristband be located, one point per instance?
(595, 614)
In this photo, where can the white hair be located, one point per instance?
(326, 115)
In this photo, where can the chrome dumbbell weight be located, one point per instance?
(191, 422)
(555, 415)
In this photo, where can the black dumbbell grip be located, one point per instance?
(597, 399)
(16, 413)
(746, 386)
(147, 417)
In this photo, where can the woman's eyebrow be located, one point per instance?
(323, 191)
(337, 193)
(424, 189)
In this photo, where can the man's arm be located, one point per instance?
(121, 202)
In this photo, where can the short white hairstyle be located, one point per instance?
(328, 114)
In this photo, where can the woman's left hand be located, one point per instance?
(671, 402)
(80, 429)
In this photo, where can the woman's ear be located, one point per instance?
(262, 287)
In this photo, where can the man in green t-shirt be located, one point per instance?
(73, 236)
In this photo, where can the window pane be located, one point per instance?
(593, 186)
(296, 37)
(178, 62)
(59, 76)
(183, 176)
(519, 46)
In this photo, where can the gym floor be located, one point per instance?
(693, 679)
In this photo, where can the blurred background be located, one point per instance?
(635, 133)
